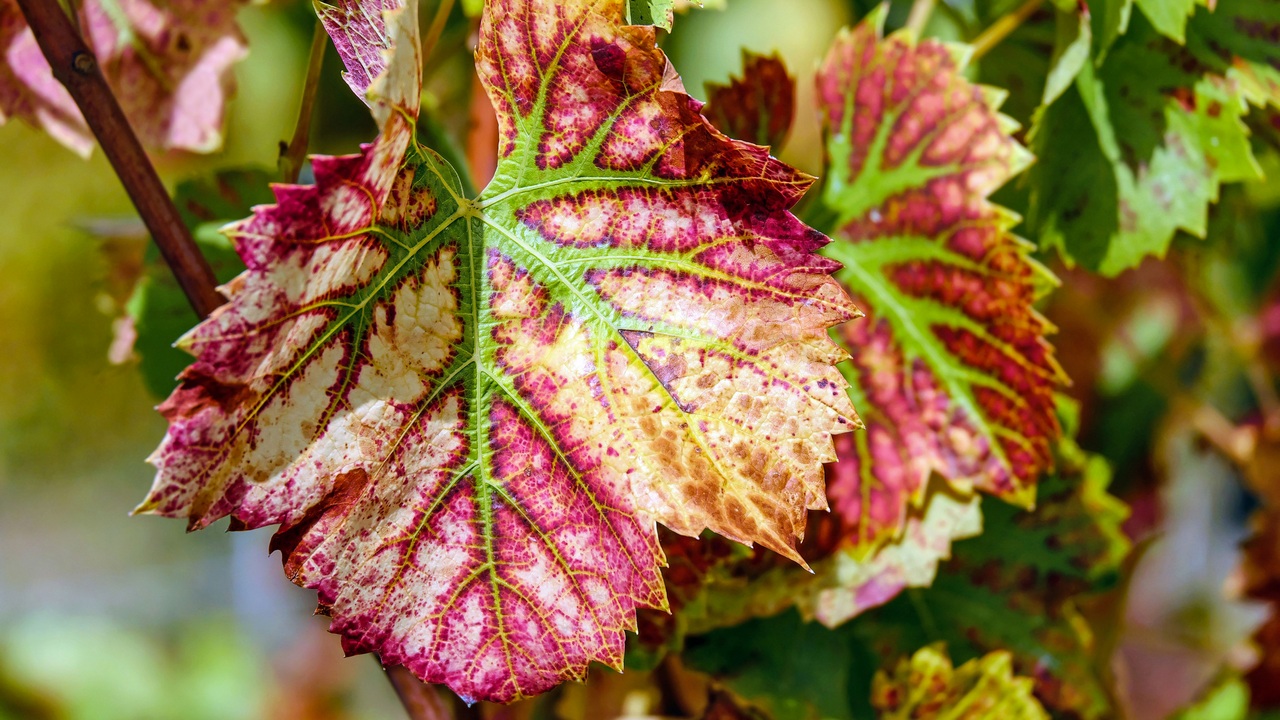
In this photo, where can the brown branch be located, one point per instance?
(420, 700)
(437, 27)
(74, 66)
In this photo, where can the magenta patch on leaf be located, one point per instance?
(952, 371)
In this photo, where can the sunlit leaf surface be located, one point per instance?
(467, 413)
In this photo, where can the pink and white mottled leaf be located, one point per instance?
(466, 414)
(169, 63)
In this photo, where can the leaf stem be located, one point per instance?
(437, 27)
(420, 700)
(1003, 27)
(482, 135)
(921, 10)
(74, 65)
(294, 155)
(1238, 444)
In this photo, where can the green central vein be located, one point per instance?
(874, 286)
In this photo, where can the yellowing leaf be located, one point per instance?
(467, 414)
(927, 686)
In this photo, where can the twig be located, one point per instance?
(74, 66)
(919, 16)
(1237, 443)
(1003, 27)
(437, 27)
(294, 155)
(420, 700)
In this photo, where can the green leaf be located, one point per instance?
(1238, 39)
(158, 307)
(1072, 45)
(467, 414)
(1228, 699)
(795, 670)
(1136, 153)
(1170, 16)
(660, 13)
(1110, 20)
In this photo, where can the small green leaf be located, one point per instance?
(1110, 20)
(659, 13)
(1135, 152)
(1170, 16)
(795, 670)
(1071, 47)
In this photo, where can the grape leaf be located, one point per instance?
(792, 669)
(1017, 587)
(168, 61)
(1136, 151)
(848, 584)
(1170, 16)
(927, 686)
(466, 414)
(758, 107)
(951, 370)
(1238, 39)
(1110, 20)
(1073, 42)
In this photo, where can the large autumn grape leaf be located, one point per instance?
(169, 62)
(466, 414)
(927, 686)
(951, 370)
(758, 107)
